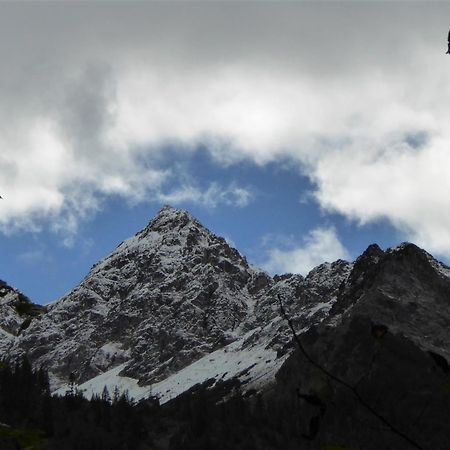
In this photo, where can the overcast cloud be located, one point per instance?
(356, 96)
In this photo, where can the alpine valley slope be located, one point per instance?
(171, 307)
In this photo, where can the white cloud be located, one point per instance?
(406, 186)
(37, 256)
(356, 139)
(92, 93)
(320, 245)
(211, 197)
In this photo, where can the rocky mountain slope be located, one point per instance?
(167, 297)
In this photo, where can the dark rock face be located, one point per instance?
(405, 289)
(390, 374)
(384, 348)
(361, 277)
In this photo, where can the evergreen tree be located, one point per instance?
(105, 395)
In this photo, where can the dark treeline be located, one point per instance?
(32, 419)
(200, 419)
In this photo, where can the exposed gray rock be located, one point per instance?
(16, 314)
(404, 288)
(162, 299)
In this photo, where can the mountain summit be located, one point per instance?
(162, 299)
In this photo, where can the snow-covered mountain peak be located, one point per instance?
(171, 220)
(169, 217)
(162, 299)
(175, 241)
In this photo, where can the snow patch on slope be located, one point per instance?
(255, 366)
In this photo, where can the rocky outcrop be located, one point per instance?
(404, 288)
(16, 314)
(16, 310)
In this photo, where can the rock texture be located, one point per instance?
(16, 314)
(165, 298)
(404, 288)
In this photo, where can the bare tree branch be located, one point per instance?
(348, 386)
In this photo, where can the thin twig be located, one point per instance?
(338, 380)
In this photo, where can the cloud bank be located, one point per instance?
(353, 95)
(320, 245)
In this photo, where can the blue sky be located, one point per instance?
(286, 127)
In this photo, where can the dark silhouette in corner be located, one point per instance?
(448, 39)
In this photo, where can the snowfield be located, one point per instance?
(255, 366)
